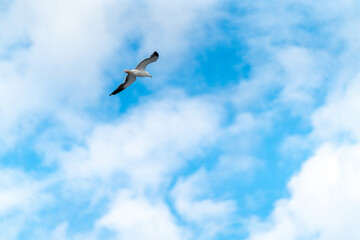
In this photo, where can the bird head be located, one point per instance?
(127, 71)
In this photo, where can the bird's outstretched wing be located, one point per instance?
(129, 79)
(142, 65)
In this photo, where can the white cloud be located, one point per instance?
(21, 197)
(59, 232)
(246, 130)
(230, 166)
(324, 199)
(57, 70)
(339, 118)
(209, 216)
(18, 192)
(134, 217)
(302, 77)
(148, 143)
(295, 147)
(289, 63)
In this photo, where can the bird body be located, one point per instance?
(139, 71)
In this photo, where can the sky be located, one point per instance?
(249, 128)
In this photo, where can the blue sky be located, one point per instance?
(247, 130)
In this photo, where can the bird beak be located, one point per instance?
(150, 76)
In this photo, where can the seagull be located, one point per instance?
(139, 71)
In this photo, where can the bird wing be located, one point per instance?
(142, 65)
(129, 79)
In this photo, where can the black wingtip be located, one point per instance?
(155, 53)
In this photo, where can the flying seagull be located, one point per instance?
(139, 71)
